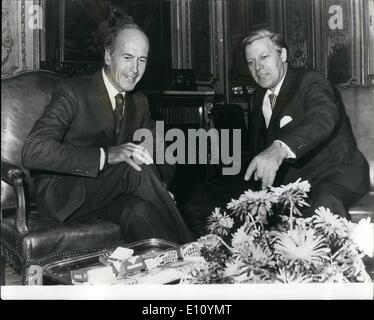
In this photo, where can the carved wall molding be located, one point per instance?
(23, 35)
(296, 33)
(187, 40)
(368, 43)
(184, 30)
(329, 36)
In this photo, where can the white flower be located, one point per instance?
(226, 222)
(256, 204)
(289, 276)
(332, 273)
(292, 195)
(232, 269)
(241, 237)
(216, 213)
(363, 236)
(210, 241)
(249, 196)
(256, 255)
(303, 186)
(330, 223)
(303, 246)
(220, 223)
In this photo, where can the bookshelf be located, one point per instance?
(183, 109)
(186, 110)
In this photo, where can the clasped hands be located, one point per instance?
(131, 153)
(266, 164)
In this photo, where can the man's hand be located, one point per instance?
(131, 153)
(266, 164)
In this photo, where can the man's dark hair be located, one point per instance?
(274, 37)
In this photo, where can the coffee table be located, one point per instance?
(58, 272)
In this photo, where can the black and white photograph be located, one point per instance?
(187, 150)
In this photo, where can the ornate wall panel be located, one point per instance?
(296, 32)
(21, 22)
(329, 36)
(339, 17)
(368, 42)
(340, 40)
(197, 37)
(9, 33)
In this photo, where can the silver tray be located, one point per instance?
(58, 272)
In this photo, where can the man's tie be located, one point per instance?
(118, 112)
(272, 98)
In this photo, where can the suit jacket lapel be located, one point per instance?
(284, 94)
(259, 121)
(101, 105)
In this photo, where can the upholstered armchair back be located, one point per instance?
(359, 105)
(23, 99)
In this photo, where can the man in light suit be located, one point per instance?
(82, 156)
(301, 129)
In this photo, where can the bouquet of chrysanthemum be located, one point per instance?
(243, 247)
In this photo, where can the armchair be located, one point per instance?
(26, 240)
(358, 102)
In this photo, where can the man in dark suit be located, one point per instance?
(301, 129)
(82, 155)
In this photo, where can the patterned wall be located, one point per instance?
(296, 32)
(339, 15)
(19, 45)
(9, 47)
(325, 35)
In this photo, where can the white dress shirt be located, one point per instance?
(112, 92)
(266, 106)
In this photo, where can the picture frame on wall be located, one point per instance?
(75, 45)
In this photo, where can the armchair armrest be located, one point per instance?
(14, 176)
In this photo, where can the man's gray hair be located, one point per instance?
(274, 37)
(116, 28)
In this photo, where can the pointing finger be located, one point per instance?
(250, 170)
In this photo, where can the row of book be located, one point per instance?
(181, 115)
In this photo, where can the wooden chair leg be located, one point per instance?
(32, 275)
(2, 270)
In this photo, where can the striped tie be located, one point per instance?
(272, 98)
(118, 111)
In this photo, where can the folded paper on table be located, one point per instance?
(157, 268)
